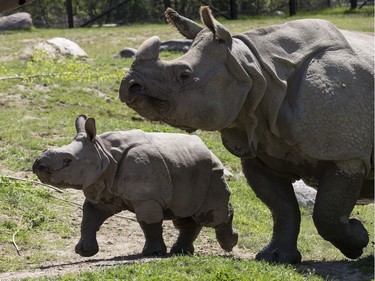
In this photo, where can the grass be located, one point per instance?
(212, 268)
(39, 112)
(26, 215)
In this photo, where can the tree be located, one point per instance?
(292, 7)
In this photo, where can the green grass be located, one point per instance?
(193, 268)
(39, 112)
(28, 220)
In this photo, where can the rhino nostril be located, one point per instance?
(39, 167)
(135, 88)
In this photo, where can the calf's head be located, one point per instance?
(76, 165)
(203, 89)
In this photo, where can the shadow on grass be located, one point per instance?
(361, 269)
(130, 259)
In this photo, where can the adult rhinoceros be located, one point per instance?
(293, 101)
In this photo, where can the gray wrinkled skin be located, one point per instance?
(293, 101)
(155, 175)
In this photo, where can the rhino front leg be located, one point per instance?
(225, 234)
(150, 217)
(337, 194)
(93, 218)
(188, 232)
(278, 194)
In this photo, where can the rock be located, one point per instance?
(126, 53)
(279, 13)
(305, 195)
(67, 47)
(56, 48)
(170, 45)
(16, 21)
(175, 45)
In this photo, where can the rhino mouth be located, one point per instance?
(147, 104)
(52, 177)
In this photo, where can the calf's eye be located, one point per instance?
(67, 162)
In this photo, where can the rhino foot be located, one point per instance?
(152, 249)
(353, 248)
(227, 242)
(279, 256)
(179, 249)
(87, 248)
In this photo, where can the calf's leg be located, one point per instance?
(188, 232)
(217, 212)
(225, 234)
(278, 194)
(93, 217)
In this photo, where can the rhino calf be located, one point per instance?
(155, 175)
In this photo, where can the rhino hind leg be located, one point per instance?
(188, 232)
(335, 200)
(93, 218)
(225, 234)
(278, 194)
(154, 245)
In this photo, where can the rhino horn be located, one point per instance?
(149, 49)
(219, 31)
(80, 123)
(185, 26)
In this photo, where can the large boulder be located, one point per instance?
(55, 48)
(16, 21)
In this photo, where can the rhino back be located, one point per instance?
(319, 96)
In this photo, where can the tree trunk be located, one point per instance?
(233, 9)
(292, 7)
(69, 11)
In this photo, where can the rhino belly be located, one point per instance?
(190, 188)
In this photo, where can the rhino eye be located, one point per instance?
(66, 162)
(185, 75)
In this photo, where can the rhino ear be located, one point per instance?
(220, 32)
(80, 123)
(149, 49)
(185, 26)
(90, 128)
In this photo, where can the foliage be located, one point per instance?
(53, 13)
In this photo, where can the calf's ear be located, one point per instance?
(185, 26)
(80, 123)
(90, 128)
(219, 31)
